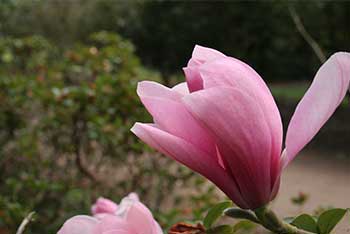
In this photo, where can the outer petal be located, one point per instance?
(243, 137)
(172, 116)
(154, 89)
(133, 196)
(141, 219)
(112, 222)
(118, 231)
(158, 228)
(230, 72)
(78, 225)
(194, 158)
(205, 54)
(321, 100)
(181, 88)
(125, 205)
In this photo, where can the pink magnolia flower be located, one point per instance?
(129, 217)
(224, 124)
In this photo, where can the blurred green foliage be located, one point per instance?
(65, 116)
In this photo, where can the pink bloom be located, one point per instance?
(224, 124)
(130, 217)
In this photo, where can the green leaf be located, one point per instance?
(215, 212)
(245, 225)
(329, 219)
(305, 222)
(238, 213)
(222, 229)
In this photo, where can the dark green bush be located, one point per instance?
(65, 117)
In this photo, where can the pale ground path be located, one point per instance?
(326, 179)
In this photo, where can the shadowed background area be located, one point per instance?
(68, 75)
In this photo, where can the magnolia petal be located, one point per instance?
(133, 196)
(193, 63)
(191, 156)
(205, 54)
(171, 115)
(154, 89)
(200, 55)
(79, 224)
(193, 79)
(174, 118)
(158, 228)
(234, 73)
(166, 107)
(230, 72)
(181, 88)
(320, 101)
(141, 219)
(112, 222)
(242, 135)
(118, 231)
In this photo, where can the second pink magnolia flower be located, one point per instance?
(224, 123)
(129, 217)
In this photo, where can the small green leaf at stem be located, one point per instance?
(215, 212)
(288, 220)
(305, 222)
(329, 219)
(222, 229)
(245, 225)
(238, 213)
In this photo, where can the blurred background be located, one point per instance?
(68, 75)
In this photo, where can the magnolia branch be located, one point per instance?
(78, 128)
(307, 37)
(25, 222)
(83, 169)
